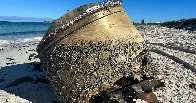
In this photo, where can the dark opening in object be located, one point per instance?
(145, 61)
(100, 98)
(127, 81)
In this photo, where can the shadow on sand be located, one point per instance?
(28, 82)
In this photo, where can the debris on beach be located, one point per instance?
(10, 59)
(87, 51)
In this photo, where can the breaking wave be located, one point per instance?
(13, 41)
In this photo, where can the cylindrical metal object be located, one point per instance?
(85, 52)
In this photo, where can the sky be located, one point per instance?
(149, 10)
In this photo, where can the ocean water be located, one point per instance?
(16, 32)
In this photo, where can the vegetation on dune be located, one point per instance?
(188, 24)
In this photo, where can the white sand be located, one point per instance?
(27, 91)
(180, 79)
(177, 76)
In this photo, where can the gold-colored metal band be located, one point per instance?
(70, 31)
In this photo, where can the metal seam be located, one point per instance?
(77, 30)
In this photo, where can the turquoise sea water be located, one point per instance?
(11, 32)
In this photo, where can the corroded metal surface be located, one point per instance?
(91, 55)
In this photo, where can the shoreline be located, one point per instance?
(25, 82)
(8, 42)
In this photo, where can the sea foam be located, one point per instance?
(7, 42)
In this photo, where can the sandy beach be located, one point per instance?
(21, 79)
(174, 60)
